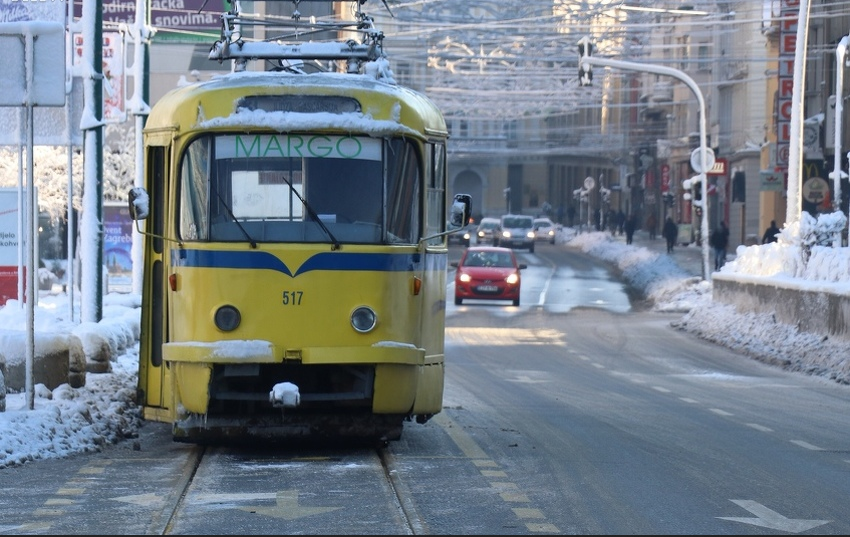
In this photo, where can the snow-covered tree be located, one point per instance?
(50, 171)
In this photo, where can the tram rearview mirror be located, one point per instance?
(461, 209)
(139, 203)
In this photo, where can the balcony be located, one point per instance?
(736, 70)
(662, 92)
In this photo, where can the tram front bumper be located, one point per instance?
(399, 369)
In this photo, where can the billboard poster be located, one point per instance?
(113, 74)
(173, 20)
(117, 246)
(9, 240)
(17, 11)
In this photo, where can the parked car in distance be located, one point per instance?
(487, 273)
(485, 233)
(515, 231)
(545, 230)
(462, 237)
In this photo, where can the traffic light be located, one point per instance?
(585, 50)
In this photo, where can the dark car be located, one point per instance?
(487, 273)
(464, 236)
(486, 231)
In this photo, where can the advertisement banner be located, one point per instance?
(114, 80)
(117, 246)
(9, 239)
(173, 20)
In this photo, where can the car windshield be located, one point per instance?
(516, 222)
(489, 259)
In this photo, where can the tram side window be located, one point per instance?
(194, 214)
(435, 157)
(403, 190)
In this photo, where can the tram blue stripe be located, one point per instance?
(219, 259)
(340, 261)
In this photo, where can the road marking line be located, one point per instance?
(806, 445)
(761, 428)
(526, 512)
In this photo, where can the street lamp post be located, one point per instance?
(703, 149)
(837, 174)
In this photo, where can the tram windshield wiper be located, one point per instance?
(335, 244)
(236, 220)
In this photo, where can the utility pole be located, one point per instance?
(141, 33)
(91, 229)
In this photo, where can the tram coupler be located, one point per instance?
(285, 395)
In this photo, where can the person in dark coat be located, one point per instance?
(670, 232)
(621, 221)
(719, 240)
(629, 227)
(571, 215)
(770, 233)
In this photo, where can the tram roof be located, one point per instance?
(386, 108)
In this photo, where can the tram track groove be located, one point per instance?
(173, 501)
(404, 498)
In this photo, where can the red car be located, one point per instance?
(487, 273)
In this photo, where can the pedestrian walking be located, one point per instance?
(770, 233)
(621, 221)
(671, 233)
(571, 215)
(719, 240)
(652, 226)
(629, 227)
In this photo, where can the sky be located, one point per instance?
(67, 421)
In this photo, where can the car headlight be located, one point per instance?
(464, 278)
(512, 279)
(530, 235)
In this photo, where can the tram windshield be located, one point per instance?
(299, 188)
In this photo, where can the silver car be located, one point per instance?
(545, 230)
(516, 231)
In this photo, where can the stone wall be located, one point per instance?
(812, 307)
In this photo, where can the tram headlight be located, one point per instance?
(227, 318)
(364, 319)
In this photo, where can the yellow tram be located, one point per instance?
(294, 247)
